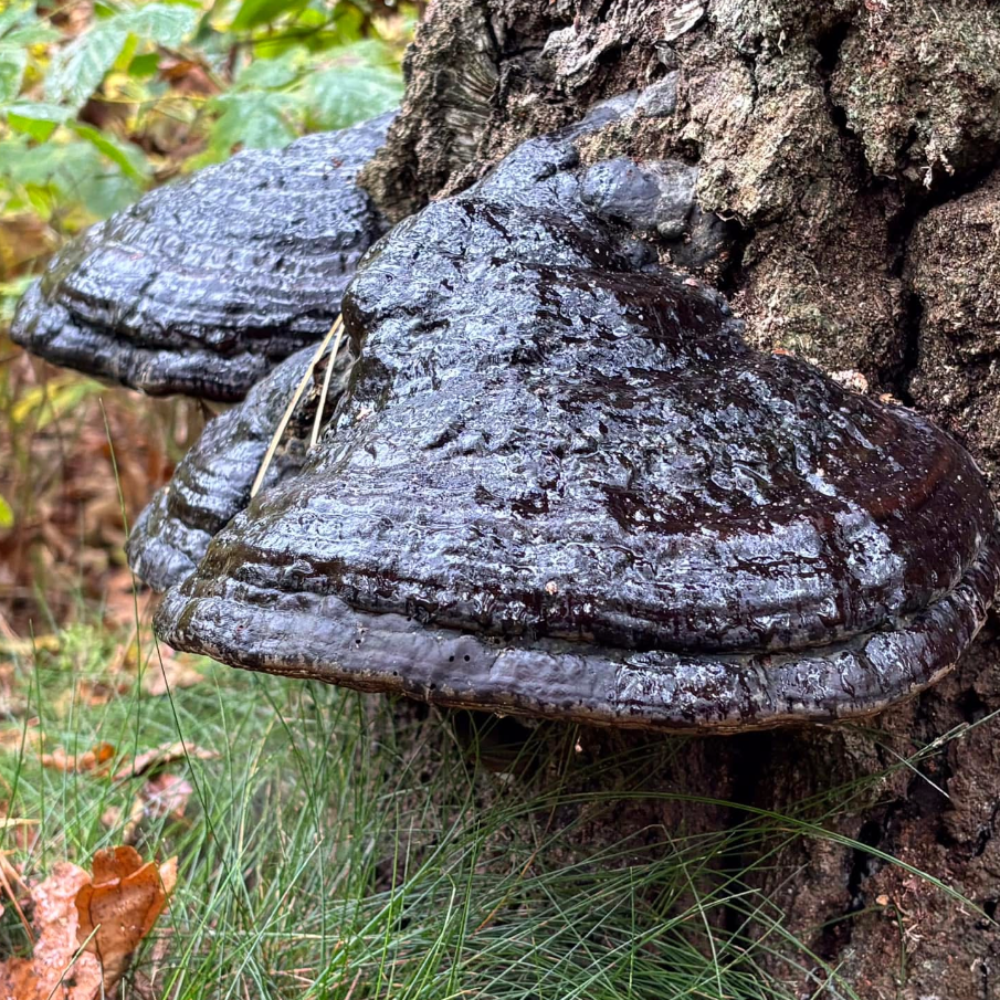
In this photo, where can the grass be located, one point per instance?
(347, 847)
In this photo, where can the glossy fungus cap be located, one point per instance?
(559, 483)
(203, 285)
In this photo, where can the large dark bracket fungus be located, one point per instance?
(213, 482)
(559, 483)
(202, 286)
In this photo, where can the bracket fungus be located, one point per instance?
(202, 286)
(557, 482)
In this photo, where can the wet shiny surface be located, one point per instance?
(203, 285)
(212, 482)
(560, 483)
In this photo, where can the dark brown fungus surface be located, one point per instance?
(559, 483)
(212, 482)
(203, 285)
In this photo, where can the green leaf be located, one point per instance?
(64, 175)
(270, 74)
(166, 24)
(103, 192)
(16, 15)
(253, 13)
(129, 49)
(13, 62)
(36, 120)
(35, 34)
(6, 514)
(77, 71)
(41, 199)
(144, 65)
(10, 294)
(341, 96)
(127, 157)
(253, 120)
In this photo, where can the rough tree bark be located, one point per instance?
(854, 146)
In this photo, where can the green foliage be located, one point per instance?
(98, 105)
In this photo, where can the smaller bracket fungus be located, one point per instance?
(202, 286)
(557, 482)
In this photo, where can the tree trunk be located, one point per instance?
(852, 145)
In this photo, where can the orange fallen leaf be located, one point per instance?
(119, 907)
(108, 914)
(92, 760)
(167, 753)
(51, 970)
(15, 738)
(162, 795)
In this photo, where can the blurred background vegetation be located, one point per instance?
(99, 101)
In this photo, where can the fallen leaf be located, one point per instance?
(168, 753)
(169, 671)
(55, 921)
(93, 760)
(87, 927)
(111, 817)
(167, 795)
(126, 602)
(16, 737)
(119, 907)
(851, 379)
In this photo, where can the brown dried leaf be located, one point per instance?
(119, 907)
(95, 760)
(55, 920)
(95, 693)
(24, 240)
(108, 913)
(167, 795)
(187, 77)
(125, 599)
(14, 738)
(169, 671)
(168, 753)
(162, 795)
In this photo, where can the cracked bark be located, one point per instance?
(854, 143)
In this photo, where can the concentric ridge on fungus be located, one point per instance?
(203, 285)
(559, 483)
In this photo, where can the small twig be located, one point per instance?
(8, 887)
(326, 387)
(290, 409)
